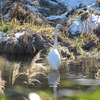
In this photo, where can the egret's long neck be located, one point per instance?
(55, 41)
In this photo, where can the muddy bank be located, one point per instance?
(25, 30)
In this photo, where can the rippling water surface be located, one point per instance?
(79, 74)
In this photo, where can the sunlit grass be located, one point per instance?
(15, 26)
(94, 95)
(47, 30)
(87, 39)
(7, 26)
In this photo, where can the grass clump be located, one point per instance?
(35, 28)
(7, 26)
(2, 84)
(71, 19)
(21, 17)
(15, 26)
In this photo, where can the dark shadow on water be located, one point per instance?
(19, 57)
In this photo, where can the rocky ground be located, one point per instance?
(27, 27)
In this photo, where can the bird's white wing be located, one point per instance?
(54, 58)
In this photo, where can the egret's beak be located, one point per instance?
(65, 28)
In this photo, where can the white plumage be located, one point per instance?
(54, 56)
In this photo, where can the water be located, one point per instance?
(77, 75)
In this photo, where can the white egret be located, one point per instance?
(54, 56)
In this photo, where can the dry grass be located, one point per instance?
(31, 72)
(90, 41)
(15, 73)
(35, 28)
(34, 69)
(21, 17)
(15, 26)
(28, 43)
(97, 30)
(2, 84)
(22, 13)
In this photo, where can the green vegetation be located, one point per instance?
(48, 95)
(94, 95)
(15, 26)
(8, 26)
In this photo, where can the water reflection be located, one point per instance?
(53, 81)
(81, 72)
